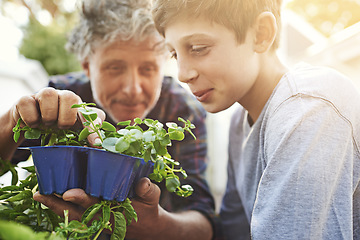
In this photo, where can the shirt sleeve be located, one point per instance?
(234, 220)
(306, 190)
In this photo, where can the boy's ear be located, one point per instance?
(265, 32)
(85, 66)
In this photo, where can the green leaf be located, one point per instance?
(149, 136)
(165, 141)
(76, 106)
(136, 134)
(171, 125)
(156, 177)
(32, 133)
(160, 149)
(15, 231)
(108, 127)
(109, 144)
(123, 132)
(185, 191)
(84, 134)
(172, 183)
(106, 213)
(29, 169)
(89, 115)
(77, 227)
(14, 176)
(124, 123)
(16, 136)
(138, 121)
(119, 226)
(21, 196)
(176, 134)
(90, 213)
(122, 145)
(129, 213)
(6, 195)
(90, 104)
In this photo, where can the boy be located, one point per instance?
(294, 159)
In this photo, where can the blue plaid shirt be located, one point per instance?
(174, 102)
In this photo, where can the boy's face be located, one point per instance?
(126, 77)
(218, 70)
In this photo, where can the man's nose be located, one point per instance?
(186, 71)
(132, 84)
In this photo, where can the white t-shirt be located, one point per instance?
(294, 174)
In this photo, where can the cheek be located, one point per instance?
(152, 88)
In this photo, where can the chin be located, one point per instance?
(213, 109)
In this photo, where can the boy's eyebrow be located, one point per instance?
(190, 37)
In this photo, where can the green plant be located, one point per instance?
(17, 205)
(150, 144)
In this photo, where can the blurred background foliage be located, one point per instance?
(328, 16)
(49, 21)
(45, 33)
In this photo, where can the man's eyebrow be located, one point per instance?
(112, 61)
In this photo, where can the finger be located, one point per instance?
(147, 192)
(57, 205)
(47, 99)
(79, 197)
(27, 109)
(67, 115)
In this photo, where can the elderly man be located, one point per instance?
(123, 59)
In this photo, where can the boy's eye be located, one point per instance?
(173, 54)
(199, 49)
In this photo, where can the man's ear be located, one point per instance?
(86, 68)
(265, 32)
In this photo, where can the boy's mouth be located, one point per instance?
(203, 95)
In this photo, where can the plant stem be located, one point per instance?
(98, 233)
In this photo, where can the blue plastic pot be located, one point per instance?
(59, 168)
(100, 173)
(111, 175)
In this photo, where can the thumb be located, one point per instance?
(147, 192)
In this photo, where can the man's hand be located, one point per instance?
(49, 106)
(75, 200)
(153, 221)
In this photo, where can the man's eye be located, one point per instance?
(116, 68)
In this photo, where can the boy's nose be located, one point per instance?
(186, 72)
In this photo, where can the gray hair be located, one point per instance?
(105, 21)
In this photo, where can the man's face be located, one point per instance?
(218, 70)
(126, 77)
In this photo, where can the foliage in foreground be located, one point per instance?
(39, 222)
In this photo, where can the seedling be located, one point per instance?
(150, 144)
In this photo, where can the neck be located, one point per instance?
(270, 72)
